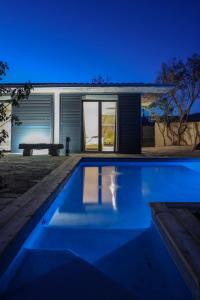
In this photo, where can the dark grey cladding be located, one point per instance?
(129, 124)
(70, 120)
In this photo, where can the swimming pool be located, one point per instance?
(103, 217)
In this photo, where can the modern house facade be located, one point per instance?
(96, 117)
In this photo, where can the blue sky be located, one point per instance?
(73, 41)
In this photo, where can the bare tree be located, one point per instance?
(186, 79)
(9, 96)
(161, 111)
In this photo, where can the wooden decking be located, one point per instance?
(181, 231)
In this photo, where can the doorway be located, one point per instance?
(99, 126)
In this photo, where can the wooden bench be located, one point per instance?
(54, 149)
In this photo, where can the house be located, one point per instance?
(96, 117)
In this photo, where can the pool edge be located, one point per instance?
(19, 227)
(174, 221)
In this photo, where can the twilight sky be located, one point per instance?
(75, 40)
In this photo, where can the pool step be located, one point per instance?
(144, 266)
(54, 275)
(37, 263)
(90, 244)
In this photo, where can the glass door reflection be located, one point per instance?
(99, 187)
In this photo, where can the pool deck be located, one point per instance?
(31, 184)
(181, 231)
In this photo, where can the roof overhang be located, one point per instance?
(118, 88)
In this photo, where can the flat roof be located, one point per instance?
(99, 88)
(88, 84)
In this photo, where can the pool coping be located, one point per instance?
(180, 230)
(29, 212)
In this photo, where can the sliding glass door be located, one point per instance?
(108, 126)
(91, 126)
(99, 125)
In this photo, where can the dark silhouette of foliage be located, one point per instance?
(10, 96)
(100, 79)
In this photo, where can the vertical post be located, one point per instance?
(56, 117)
(100, 125)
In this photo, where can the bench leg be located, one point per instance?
(27, 152)
(54, 152)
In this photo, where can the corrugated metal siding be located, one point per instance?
(71, 120)
(129, 123)
(37, 122)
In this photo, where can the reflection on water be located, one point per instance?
(100, 197)
(118, 196)
(99, 186)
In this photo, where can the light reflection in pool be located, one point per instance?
(118, 196)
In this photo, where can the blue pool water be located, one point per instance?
(117, 195)
(102, 216)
